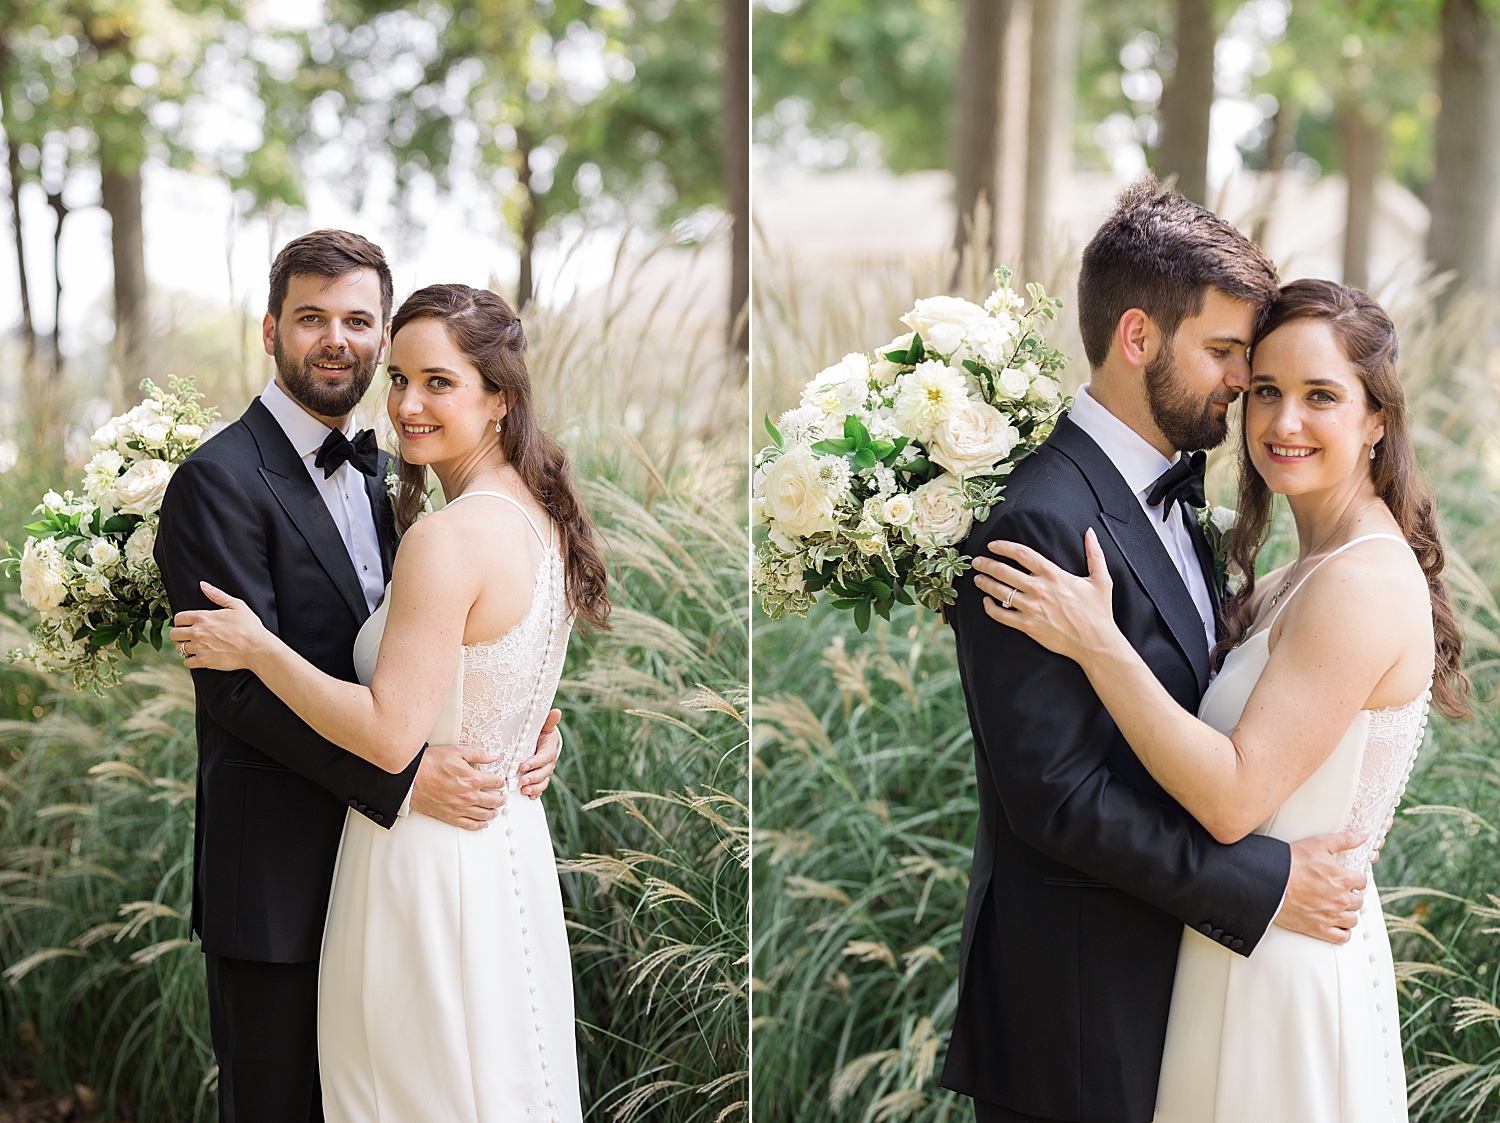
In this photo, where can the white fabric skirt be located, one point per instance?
(445, 991)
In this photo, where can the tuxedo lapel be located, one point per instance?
(287, 477)
(1126, 522)
(385, 518)
(1206, 563)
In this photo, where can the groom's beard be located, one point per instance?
(1187, 421)
(306, 385)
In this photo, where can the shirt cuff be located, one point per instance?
(1280, 905)
(406, 804)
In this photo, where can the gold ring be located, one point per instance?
(1010, 596)
(182, 649)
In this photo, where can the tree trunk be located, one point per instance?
(60, 209)
(1054, 70)
(1466, 172)
(1363, 159)
(121, 191)
(978, 113)
(1187, 101)
(1283, 139)
(525, 286)
(13, 164)
(736, 77)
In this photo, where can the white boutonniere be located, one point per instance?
(393, 488)
(1216, 523)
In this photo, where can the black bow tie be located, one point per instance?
(1181, 483)
(362, 452)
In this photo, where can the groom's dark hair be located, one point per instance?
(331, 254)
(1162, 253)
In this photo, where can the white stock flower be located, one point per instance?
(103, 552)
(139, 546)
(938, 514)
(885, 479)
(43, 583)
(836, 476)
(934, 310)
(928, 396)
(973, 440)
(989, 338)
(99, 476)
(803, 425)
(796, 498)
(139, 491)
(897, 510)
(793, 582)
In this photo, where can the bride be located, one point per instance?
(1312, 724)
(445, 985)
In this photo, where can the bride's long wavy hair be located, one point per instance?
(1368, 340)
(489, 333)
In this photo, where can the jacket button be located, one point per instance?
(1216, 934)
(1235, 945)
(1226, 939)
(1204, 928)
(354, 803)
(378, 817)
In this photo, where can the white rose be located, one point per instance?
(938, 514)
(897, 510)
(139, 491)
(189, 434)
(928, 396)
(103, 552)
(42, 582)
(53, 501)
(821, 396)
(946, 339)
(934, 310)
(106, 435)
(96, 586)
(1224, 518)
(795, 497)
(852, 393)
(154, 431)
(139, 546)
(1014, 383)
(973, 440)
(1046, 388)
(901, 343)
(884, 371)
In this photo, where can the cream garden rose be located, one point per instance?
(795, 497)
(103, 552)
(973, 440)
(140, 490)
(897, 510)
(139, 546)
(931, 311)
(43, 585)
(938, 514)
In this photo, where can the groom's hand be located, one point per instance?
(535, 772)
(450, 787)
(1323, 896)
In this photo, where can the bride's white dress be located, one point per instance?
(445, 991)
(1301, 1031)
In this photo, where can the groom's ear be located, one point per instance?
(385, 344)
(1137, 337)
(268, 333)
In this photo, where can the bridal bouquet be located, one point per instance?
(869, 484)
(87, 566)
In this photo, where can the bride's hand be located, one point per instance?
(225, 639)
(1069, 615)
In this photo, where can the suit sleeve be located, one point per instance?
(210, 531)
(1045, 737)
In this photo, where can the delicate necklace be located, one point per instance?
(1287, 584)
(474, 475)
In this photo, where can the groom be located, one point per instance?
(1085, 870)
(288, 510)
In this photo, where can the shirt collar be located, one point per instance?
(305, 431)
(1132, 455)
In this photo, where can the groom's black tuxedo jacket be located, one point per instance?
(1085, 870)
(243, 514)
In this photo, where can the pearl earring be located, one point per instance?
(1372, 452)
(498, 420)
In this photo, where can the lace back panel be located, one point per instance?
(509, 682)
(1391, 742)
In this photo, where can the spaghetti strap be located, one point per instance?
(546, 541)
(1334, 554)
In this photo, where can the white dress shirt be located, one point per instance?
(343, 492)
(1141, 464)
